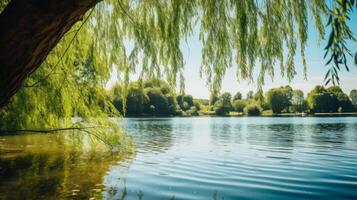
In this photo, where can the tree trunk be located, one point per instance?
(30, 29)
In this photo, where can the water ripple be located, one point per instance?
(241, 158)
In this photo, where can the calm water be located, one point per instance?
(197, 158)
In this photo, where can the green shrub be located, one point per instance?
(238, 105)
(253, 109)
(192, 111)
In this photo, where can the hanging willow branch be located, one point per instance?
(336, 47)
(145, 37)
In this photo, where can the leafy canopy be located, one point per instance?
(233, 33)
(144, 37)
(279, 98)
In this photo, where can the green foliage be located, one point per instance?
(3, 4)
(230, 31)
(192, 111)
(250, 95)
(189, 100)
(298, 101)
(179, 99)
(237, 96)
(201, 104)
(173, 107)
(185, 102)
(253, 109)
(70, 83)
(344, 103)
(150, 97)
(353, 97)
(158, 100)
(336, 47)
(213, 99)
(279, 99)
(238, 105)
(136, 99)
(258, 96)
(223, 104)
(320, 100)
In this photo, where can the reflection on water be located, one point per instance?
(240, 158)
(48, 167)
(194, 158)
(153, 141)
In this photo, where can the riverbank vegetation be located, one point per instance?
(54, 69)
(156, 98)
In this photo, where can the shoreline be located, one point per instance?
(347, 114)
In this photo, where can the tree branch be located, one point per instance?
(17, 131)
(64, 53)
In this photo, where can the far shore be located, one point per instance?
(235, 114)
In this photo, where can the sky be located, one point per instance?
(316, 68)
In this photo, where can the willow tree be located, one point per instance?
(145, 36)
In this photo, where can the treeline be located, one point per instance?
(286, 100)
(152, 98)
(157, 98)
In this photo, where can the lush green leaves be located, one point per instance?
(298, 101)
(337, 48)
(279, 98)
(253, 109)
(239, 105)
(353, 96)
(321, 101)
(223, 104)
(144, 37)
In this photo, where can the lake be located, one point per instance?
(193, 158)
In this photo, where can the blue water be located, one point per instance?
(190, 158)
(238, 158)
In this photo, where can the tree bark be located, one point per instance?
(30, 29)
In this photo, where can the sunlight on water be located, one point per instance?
(52, 166)
(197, 158)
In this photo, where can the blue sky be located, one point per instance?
(316, 69)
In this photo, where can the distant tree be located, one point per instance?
(238, 105)
(185, 101)
(319, 100)
(188, 99)
(223, 105)
(297, 100)
(115, 95)
(192, 111)
(173, 107)
(165, 89)
(259, 98)
(226, 97)
(179, 99)
(344, 103)
(353, 96)
(202, 101)
(135, 100)
(158, 100)
(237, 96)
(185, 106)
(253, 109)
(250, 95)
(213, 99)
(197, 104)
(279, 98)
(289, 92)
